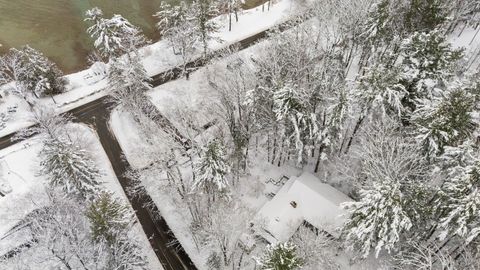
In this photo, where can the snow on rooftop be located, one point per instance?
(303, 198)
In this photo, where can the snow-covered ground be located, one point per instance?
(19, 165)
(197, 96)
(86, 86)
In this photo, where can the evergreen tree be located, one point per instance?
(108, 217)
(295, 115)
(379, 90)
(212, 170)
(460, 194)
(178, 25)
(428, 61)
(33, 72)
(203, 11)
(378, 220)
(170, 17)
(378, 27)
(69, 167)
(425, 15)
(446, 121)
(111, 222)
(281, 256)
(115, 36)
(393, 195)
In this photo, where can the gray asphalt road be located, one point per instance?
(96, 114)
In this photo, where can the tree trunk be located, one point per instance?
(274, 153)
(476, 33)
(355, 130)
(319, 158)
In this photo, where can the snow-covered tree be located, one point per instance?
(69, 167)
(203, 12)
(232, 83)
(224, 237)
(425, 15)
(281, 256)
(378, 220)
(49, 124)
(422, 256)
(170, 16)
(108, 217)
(427, 60)
(115, 36)
(110, 222)
(379, 92)
(445, 121)
(212, 170)
(317, 249)
(59, 236)
(459, 198)
(231, 7)
(379, 26)
(32, 73)
(179, 26)
(127, 82)
(393, 193)
(289, 106)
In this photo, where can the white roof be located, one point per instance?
(316, 202)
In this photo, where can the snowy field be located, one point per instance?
(19, 169)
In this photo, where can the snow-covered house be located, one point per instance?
(303, 199)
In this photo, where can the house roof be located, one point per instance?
(303, 198)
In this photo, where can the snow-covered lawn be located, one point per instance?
(19, 166)
(84, 86)
(253, 189)
(197, 97)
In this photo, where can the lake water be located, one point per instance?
(56, 27)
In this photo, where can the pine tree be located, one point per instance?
(178, 25)
(445, 121)
(170, 17)
(459, 198)
(281, 256)
(203, 11)
(69, 167)
(293, 112)
(32, 72)
(378, 219)
(378, 27)
(111, 222)
(393, 195)
(108, 217)
(212, 170)
(380, 90)
(115, 36)
(425, 15)
(428, 60)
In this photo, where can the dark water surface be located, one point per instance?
(56, 27)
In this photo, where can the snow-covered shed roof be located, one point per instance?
(303, 198)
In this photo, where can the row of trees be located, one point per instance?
(404, 128)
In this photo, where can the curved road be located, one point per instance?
(97, 113)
